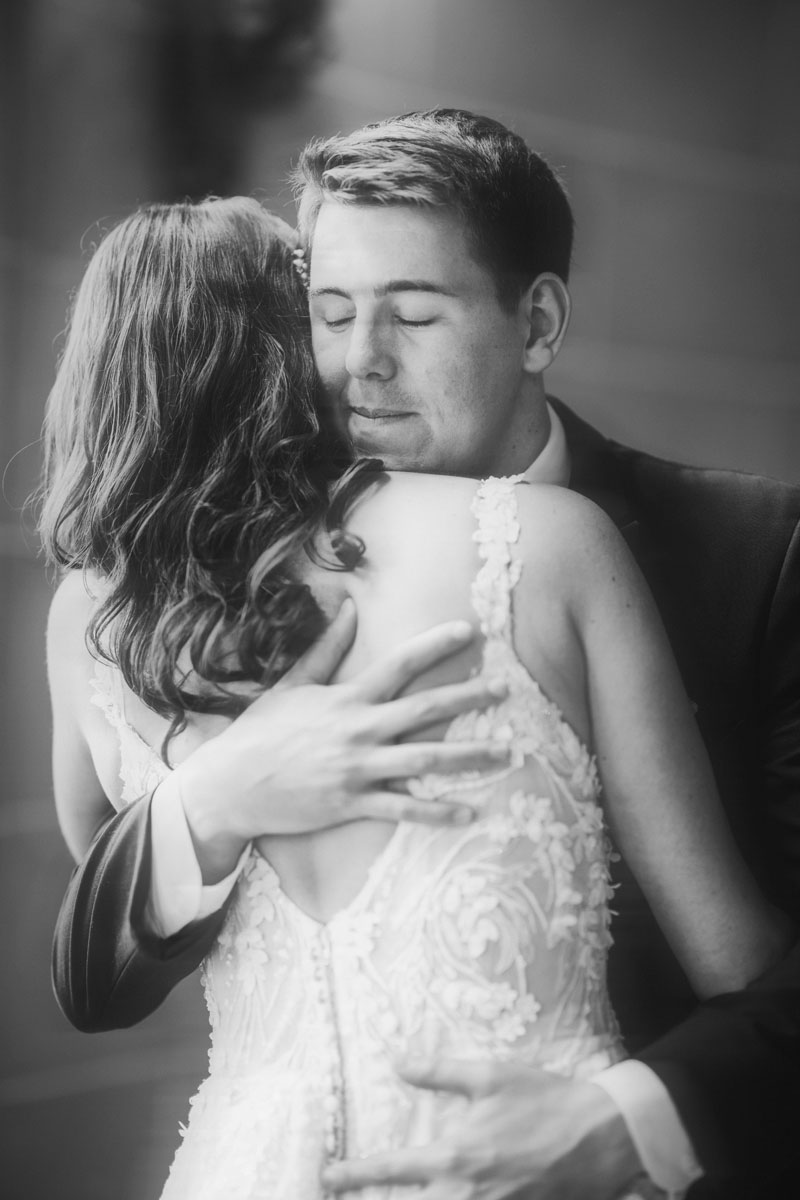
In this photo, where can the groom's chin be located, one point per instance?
(397, 442)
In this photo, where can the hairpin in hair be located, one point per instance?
(300, 264)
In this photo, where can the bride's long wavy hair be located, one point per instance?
(185, 461)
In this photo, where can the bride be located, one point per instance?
(207, 535)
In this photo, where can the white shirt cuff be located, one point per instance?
(177, 893)
(656, 1130)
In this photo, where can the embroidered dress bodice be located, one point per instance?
(483, 941)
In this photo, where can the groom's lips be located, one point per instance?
(378, 414)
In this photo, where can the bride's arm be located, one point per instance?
(661, 799)
(81, 803)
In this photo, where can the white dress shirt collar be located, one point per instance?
(552, 463)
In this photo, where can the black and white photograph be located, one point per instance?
(400, 540)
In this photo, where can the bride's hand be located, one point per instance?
(308, 754)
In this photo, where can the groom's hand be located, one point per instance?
(309, 754)
(526, 1133)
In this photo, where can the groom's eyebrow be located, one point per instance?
(330, 291)
(416, 285)
(391, 288)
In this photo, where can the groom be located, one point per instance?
(439, 253)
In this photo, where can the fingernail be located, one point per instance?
(498, 687)
(347, 605)
(461, 630)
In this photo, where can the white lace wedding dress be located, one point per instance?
(484, 941)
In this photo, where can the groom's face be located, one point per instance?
(420, 362)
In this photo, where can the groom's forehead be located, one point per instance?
(389, 238)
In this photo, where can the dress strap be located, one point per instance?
(495, 510)
(141, 769)
(108, 694)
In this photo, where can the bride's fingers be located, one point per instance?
(409, 714)
(395, 670)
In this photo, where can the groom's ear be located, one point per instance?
(546, 308)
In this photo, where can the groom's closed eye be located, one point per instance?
(340, 317)
(335, 314)
(414, 311)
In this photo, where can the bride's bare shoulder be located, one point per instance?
(406, 500)
(427, 522)
(411, 499)
(413, 520)
(73, 602)
(70, 663)
(71, 608)
(565, 524)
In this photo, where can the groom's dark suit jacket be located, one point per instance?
(721, 552)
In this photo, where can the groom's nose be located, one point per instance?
(370, 352)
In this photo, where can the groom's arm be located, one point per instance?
(733, 1067)
(110, 969)
(732, 1070)
(317, 754)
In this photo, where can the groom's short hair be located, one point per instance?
(514, 205)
